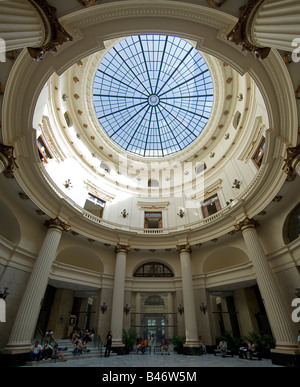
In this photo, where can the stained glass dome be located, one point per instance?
(153, 94)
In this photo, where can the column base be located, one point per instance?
(286, 357)
(192, 349)
(14, 359)
(119, 350)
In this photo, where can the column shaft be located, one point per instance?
(26, 319)
(118, 298)
(20, 25)
(279, 317)
(276, 24)
(188, 300)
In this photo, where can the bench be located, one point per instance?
(218, 352)
(255, 354)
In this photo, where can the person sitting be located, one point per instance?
(77, 348)
(36, 351)
(202, 345)
(49, 333)
(223, 347)
(48, 351)
(138, 348)
(243, 350)
(144, 345)
(251, 349)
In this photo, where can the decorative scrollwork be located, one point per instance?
(293, 157)
(9, 160)
(58, 35)
(240, 32)
(87, 3)
(216, 3)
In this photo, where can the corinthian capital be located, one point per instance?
(184, 248)
(246, 223)
(122, 248)
(57, 223)
(55, 34)
(241, 32)
(292, 159)
(8, 160)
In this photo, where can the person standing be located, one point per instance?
(108, 344)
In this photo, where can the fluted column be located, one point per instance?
(138, 314)
(170, 333)
(278, 314)
(28, 313)
(21, 25)
(190, 321)
(118, 295)
(30, 24)
(275, 24)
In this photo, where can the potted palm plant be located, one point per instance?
(128, 339)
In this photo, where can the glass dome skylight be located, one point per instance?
(153, 94)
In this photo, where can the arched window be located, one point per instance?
(291, 228)
(154, 300)
(153, 269)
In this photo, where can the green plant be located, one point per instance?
(178, 343)
(263, 343)
(128, 339)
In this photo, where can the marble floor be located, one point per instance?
(158, 361)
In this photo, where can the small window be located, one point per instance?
(105, 167)
(210, 206)
(43, 150)
(153, 220)
(200, 168)
(68, 119)
(153, 183)
(94, 205)
(258, 156)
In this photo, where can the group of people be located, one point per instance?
(45, 352)
(246, 349)
(82, 335)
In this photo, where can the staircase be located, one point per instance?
(67, 350)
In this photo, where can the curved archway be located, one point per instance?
(224, 258)
(291, 227)
(153, 269)
(81, 257)
(9, 226)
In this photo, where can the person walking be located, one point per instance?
(108, 344)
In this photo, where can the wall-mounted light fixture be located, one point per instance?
(203, 307)
(124, 213)
(236, 184)
(180, 309)
(126, 309)
(103, 307)
(4, 293)
(68, 184)
(181, 213)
